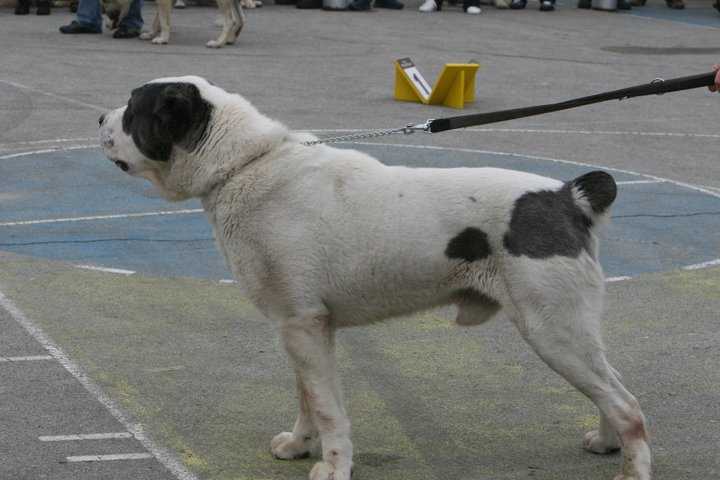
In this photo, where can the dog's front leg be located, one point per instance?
(299, 442)
(310, 342)
(164, 7)
(155, 29)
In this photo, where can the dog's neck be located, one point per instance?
(232, 141)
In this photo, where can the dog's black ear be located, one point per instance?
(182, 114)
(174, 110)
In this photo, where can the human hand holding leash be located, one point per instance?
(716, 87)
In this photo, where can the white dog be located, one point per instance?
(321, 238)
(231, 13)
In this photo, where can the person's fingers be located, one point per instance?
(716, 87)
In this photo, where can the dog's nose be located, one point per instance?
(101, 120)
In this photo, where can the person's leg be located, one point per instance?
(89, 14)
(22, 7)
(133, 20)
(43, 7)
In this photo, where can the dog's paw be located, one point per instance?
(594, 443)
(147, 36)
(214, 44)
(327, 471)
(286, 447)
(160, 40)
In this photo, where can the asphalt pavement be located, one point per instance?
(125, 353)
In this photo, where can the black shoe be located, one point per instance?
(309, 4)
(624, 5)
(124, 31)
(22, 7)
(391, 4)
(584, 4)
(43, 7)
(359, 5)
(518, 4)
(547, 6)
(76, 27)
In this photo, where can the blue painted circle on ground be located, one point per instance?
(655, 226)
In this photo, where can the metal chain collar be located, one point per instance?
(407, 130)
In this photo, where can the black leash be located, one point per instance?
(656, 87)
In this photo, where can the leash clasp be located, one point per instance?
(420, 127)
(658, 82)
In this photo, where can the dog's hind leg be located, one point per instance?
(309, 339)
(557, 309)
(233, 21)
(474, 308)
(238, 21)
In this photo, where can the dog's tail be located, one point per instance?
(594, 192)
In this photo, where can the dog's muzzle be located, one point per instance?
(106, 141)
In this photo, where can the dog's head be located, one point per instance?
(182, 133)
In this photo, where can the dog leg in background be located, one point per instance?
(299, 442)
(233, 22)
(162, 20)
(563, 328)
(309, 339)
(155, 29)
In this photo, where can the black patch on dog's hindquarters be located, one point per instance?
(548, 223)
(162, 115)
(470, 245)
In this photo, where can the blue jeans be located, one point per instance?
(90, 13)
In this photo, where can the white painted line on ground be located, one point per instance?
(108, 458)
(47, 150)
(164, 456)
(58, 97)
(700, 266)
(31, 358)
(638, 182)
(544, 159)
(592, 132)
(101, 217)
(49, 140)
(227, 281)
(617, 279)
(119, 271)
(84, 436)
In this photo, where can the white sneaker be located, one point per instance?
(179, 4)
(473, 10)
(428, 6)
